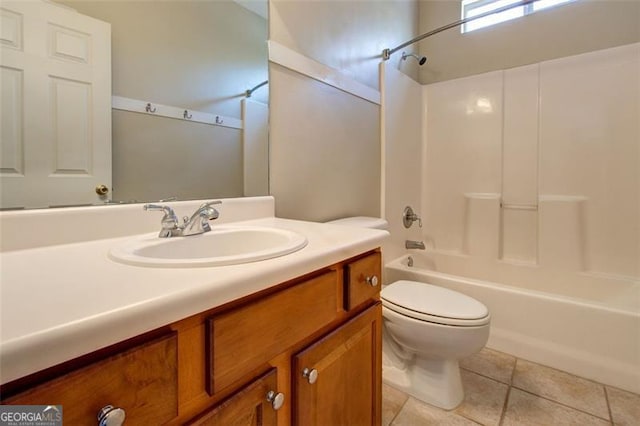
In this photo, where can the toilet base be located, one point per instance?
(434, 381)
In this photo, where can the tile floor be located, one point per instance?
(503, 390)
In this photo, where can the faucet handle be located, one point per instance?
(170, 223)
(409, 216)
(157, 207)
(210, 203)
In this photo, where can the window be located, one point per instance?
(472, 8)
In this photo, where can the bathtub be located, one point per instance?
(594, 333)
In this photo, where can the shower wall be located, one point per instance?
(537, 167)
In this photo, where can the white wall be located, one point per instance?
(348, 35)
(155, 158)
(402, 112)
(538, 166)
(324, 149)
(573, 28)
(255, 147)
(325, 158)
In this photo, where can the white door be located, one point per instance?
(56, 105)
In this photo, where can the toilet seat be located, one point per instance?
(430, 303)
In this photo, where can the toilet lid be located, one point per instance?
(432, 303)
(362, 222)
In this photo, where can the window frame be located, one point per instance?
(468, 6)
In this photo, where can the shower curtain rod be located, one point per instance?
(386, 53)
(250, 91)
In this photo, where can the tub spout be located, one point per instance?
(414, 244)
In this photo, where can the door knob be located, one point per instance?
(102, 189)
(310, 374)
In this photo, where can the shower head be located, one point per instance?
(421, 59)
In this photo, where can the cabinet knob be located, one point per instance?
(372, 280)
(111, 416)
(276, 399)
(310, 374)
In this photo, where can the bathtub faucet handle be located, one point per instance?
(409, 216)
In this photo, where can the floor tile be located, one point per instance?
(490, 363)
(561, 387)
(416, 413)
(525, 409)
(392, 402)
(483, 399)
(625, 407)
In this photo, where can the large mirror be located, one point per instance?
(181, 123)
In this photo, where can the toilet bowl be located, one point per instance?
(427, 330)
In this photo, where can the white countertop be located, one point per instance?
(62, 301)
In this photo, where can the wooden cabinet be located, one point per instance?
(143, 381)
(246, 338)
(242, 363)
(362, 280)
(247, 407)
(337, 379)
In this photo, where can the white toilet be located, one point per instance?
(427, 330)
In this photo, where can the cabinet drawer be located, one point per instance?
(360, 276)
(249, 406)
(244, 339)
(143, 381)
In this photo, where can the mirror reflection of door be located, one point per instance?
(56, 106)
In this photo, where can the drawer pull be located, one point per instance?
(310, 374)
(276, 399)
(372, 280)
(111, 416)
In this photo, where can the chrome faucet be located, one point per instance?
(409, 244)
(198, 223)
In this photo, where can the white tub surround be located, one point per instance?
(62, 296)
(531, 187)
(590, 326)
(538, 165)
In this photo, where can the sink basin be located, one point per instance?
(223, 245)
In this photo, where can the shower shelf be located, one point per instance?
(519, 206)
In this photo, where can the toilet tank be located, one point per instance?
(362, 222)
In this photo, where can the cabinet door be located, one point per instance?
(337, 380)
(248, 407)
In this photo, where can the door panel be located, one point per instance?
(56, 106)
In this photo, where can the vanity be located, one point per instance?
(294, 339)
